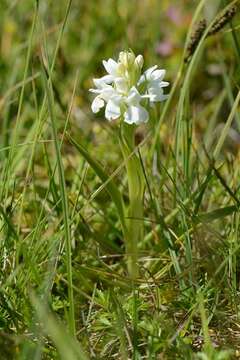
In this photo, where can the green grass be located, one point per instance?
(65, 290)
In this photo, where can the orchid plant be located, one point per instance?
(126, 94)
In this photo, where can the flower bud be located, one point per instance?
(126, 58)
(139, 61)
(121, 69)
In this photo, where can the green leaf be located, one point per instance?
(216, 214)
(67, 346)
(8, 222)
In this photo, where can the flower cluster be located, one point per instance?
(125, 91)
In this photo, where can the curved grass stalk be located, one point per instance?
(50, 100)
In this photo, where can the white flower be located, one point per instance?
(105, 93)
(135, 113)
(154, 85)
(124, 91)
(113, 108)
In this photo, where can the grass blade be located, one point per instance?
(110, 185)
(50, 100)
(67, 346)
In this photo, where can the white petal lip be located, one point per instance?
(121, 84)
(108, 93)
(97, 104)
(136, 115)
(156, 95)
(111, 66)
(112, 110)
(134, 97)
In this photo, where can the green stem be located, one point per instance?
(134, 222)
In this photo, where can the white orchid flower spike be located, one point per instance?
(125, 91)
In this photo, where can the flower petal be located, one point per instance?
(109, 93)
(158, 74)
(95, 91)
(164, 83)
(134, 97)
(146, 77)
(149, 71)
(97, 104)
(111, 66)
(156, 94)
(102, 82)
(107, 79)
(112, 110)
(121, 84)
(136, 115)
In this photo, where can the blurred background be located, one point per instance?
(99, 29)
(95, 30)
